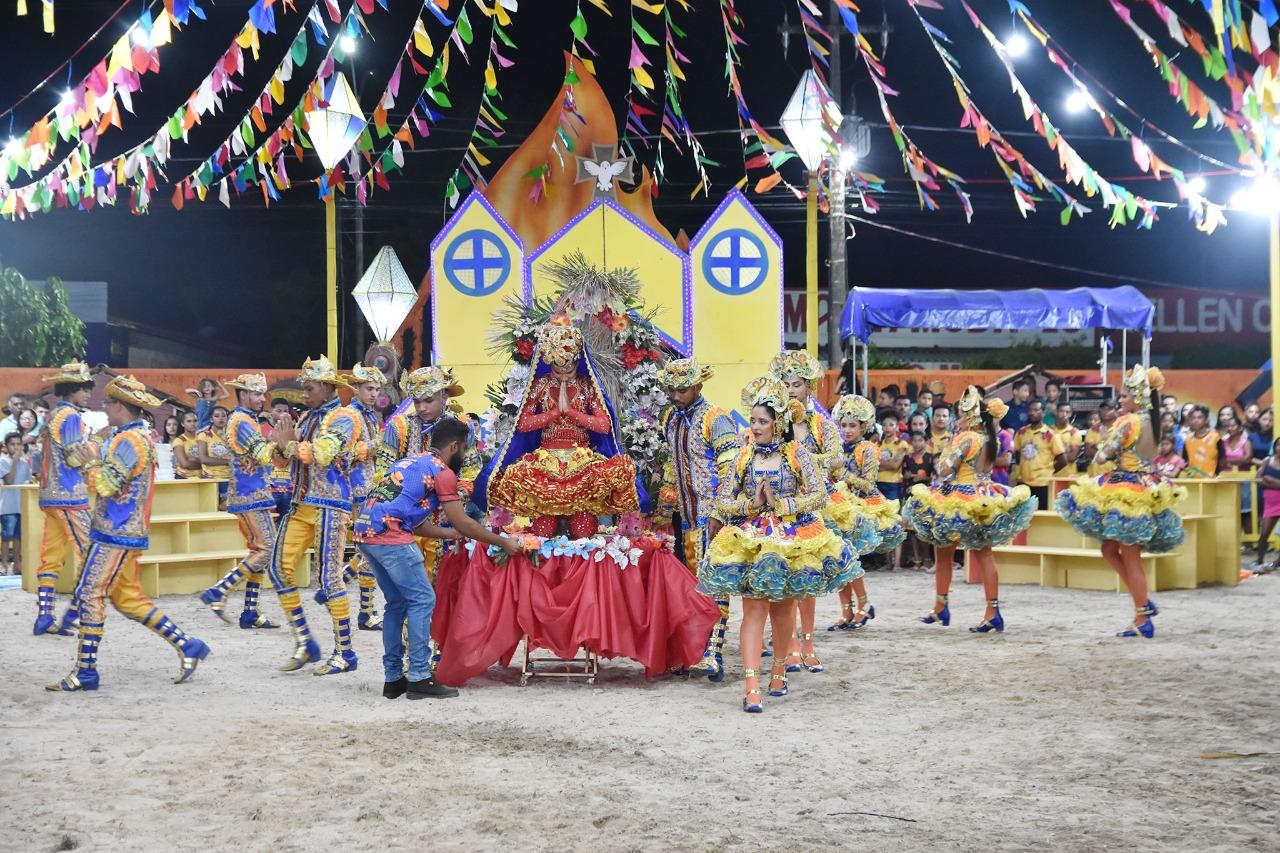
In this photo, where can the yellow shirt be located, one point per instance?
(1036, 448)
(214, 445)
(937, 443)
(1095, 437)
(889, 447)
(188, 445)
(1202, 453)
(1072, 440)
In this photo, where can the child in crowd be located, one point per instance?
(1168, 462)
(208, 393)
(15, 470)
(917, 467)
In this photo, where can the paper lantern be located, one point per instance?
(336, 127)
(385, 294)
(809, 118)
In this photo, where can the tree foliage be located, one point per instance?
(37, 328)
(1058, 357)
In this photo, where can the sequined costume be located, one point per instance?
(702, 441)
(1130, 504)
(963, 507)
(857, 481)
(250, 500)
(65, 504)
(122, 478)
(363, 476)
(785, 551)
(319, 462)
(574, 467)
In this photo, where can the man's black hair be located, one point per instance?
(448, 429)
(11, 435)
(66, 389)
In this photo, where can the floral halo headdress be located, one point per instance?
(429, 381)
(684, 373)
(560, 342)
(854, 406)
(767, 391)
(127, 389)
(319, 370)
(1141, 381)
(997, 408)
(795, 364)
(969, 409)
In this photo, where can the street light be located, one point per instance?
(808, 120)
(385, 294)
(1263, 198)
(1016, 45)
(348, 44)
(333, 129)
(1077, 102)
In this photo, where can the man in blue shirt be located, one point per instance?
(409, 499)
(1016, 418)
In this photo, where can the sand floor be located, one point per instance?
(1054, 736)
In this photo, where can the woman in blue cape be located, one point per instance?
(563, 459)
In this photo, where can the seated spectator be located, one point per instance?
(208, 393)
(1168, 462)
(1202, 447)
(1016, 418)
(15, 470)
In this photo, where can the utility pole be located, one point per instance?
(837, 274)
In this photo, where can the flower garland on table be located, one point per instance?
(624, 345)
(624, 551)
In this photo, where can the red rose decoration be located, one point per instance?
(631, 356)
(524, 349)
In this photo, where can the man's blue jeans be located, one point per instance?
(409, 597)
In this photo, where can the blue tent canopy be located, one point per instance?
(1079, 308)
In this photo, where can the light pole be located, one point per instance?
(809, 120)
(333, 129)
(1264, 198)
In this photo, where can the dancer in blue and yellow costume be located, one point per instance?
(250, 500)
(1129, 509)
(703, 442)
(799, 372)
(121, 477)
(857, 482)
(433, 391)
(774, 548)
(365, 383)
(963, 508)
(320, 453)
(63, 498)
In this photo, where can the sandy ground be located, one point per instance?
(1053, 736)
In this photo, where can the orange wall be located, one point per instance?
(166, 381)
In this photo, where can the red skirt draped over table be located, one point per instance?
(651, 613)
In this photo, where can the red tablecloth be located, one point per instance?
(651, 613)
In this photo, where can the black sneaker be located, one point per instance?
(395, 689)
(429, 689)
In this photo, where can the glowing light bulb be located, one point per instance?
(848, 159)
(348, 44)
(12, 147)
(1016, 45)
(1198, 184)
(1077, 102)
(66, 99)
(139, 36)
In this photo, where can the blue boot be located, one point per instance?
(934, 616)
(193, 651)
(338, 662)
(254, 619)
(70, 622)
(217, 603)
(45, 624)
(303, 654)
(80, 679)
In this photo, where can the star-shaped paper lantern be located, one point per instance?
(385, 294)
(334, 128)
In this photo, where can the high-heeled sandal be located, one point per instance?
(751, 707)
(846, 622)
(866, 611)
(943, 616)
(1146, 628)
(816, 666)
(774, 675)
(995, 623)
(786, 660)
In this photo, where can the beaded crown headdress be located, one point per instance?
(127, 389)
(72, 371)
(361, 373)
(319, 370)
(969, 408)
(684, 373)
(795, 364)
(560, 343)
(248, 382)
(767, 391)
(997, 408)
(854, 406)
(429, 381)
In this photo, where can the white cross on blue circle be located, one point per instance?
(483, 270)
(746, 271)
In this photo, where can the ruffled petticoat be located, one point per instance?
(972, 516)
(846, 514)
(776, 558)
(1130, 507)
(563, 482)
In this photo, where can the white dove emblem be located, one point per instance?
(604, 172)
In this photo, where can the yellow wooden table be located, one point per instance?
(193, 544)
(1051, 553)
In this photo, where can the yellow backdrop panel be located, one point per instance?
(736, 262)
(610, 237)
(477, 261)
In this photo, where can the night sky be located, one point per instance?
(254, 276)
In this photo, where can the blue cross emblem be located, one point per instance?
(476, 263)
(735, 262)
